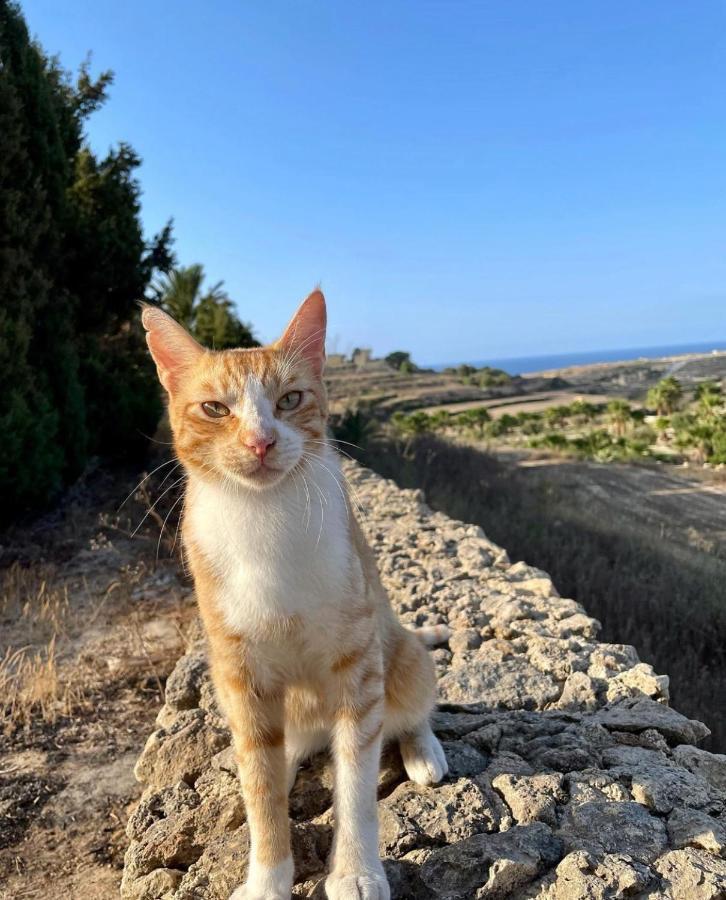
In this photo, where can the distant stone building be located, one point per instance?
(361, 357)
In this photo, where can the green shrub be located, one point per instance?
(488, 377)
(551, 441)
(396, 359)
(441, 420)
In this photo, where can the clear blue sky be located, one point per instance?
(465, 179)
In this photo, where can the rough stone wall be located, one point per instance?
(570, 776)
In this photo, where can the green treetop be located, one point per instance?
(208, 314)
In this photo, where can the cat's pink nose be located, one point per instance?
(259, 444)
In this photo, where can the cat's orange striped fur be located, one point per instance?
(305, 649)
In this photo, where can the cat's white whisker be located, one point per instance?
(163, 524)
(169, 474)
(160, 497)
(322, 516)
(307, 506)
(145, 478)
(178, 525)
(315, 459)
(349, 443)
(351, 493)
(330, 444)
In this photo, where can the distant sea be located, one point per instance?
(524, 365)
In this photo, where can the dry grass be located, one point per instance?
(62, 644)
(34, 598)
(34, 610)
(31, 687)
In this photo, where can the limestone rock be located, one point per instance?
(711, 766)
(531, 798)
(639, 714)
(181, 751)
(661, 788)
(414, 816)
(184, 685)
(490, 865)
(498, 676)
(581, 876)
(603, 827)
(691, 874)
(579, 691)
(693, 828)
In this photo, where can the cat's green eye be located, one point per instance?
(289, 401)
(214, 409)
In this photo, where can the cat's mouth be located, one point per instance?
(264, 471)
(259, 475)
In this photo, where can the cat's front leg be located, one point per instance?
(356, 870)
(258, 729)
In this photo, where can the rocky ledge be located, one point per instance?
(570, 776)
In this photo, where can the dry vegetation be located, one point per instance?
(37, 605)
(92, 623)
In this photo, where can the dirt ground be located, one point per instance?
(105, 621)
(536, 402)
(684, 505)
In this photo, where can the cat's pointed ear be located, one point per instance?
(173, 349)
(304, 337)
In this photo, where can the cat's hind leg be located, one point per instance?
(423, 756)
(410, 698)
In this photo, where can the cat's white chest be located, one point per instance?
(280, 552)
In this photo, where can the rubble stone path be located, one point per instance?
(570, 776)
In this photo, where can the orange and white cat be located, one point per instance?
(304, 647)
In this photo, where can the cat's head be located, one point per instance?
(250, 416)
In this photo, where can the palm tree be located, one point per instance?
(179, 293)
(476, 419)
(709, 397)
(620, 415)
(414, 424)
(208, 315)
(664, 397)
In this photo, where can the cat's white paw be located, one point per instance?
(267, 884)
(366, 886)
(423, 757)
